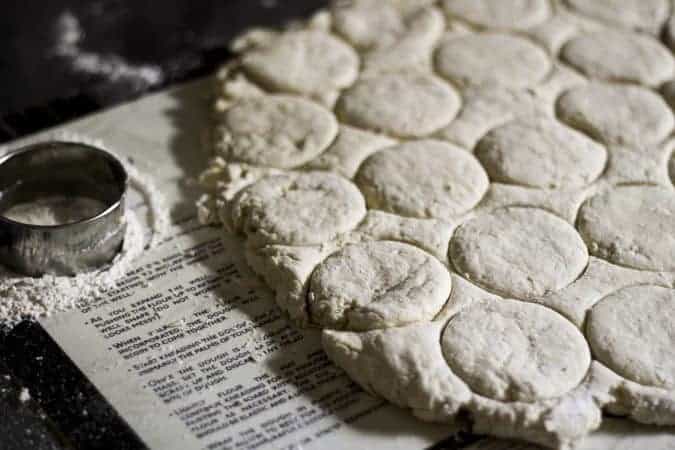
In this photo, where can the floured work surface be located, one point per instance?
(472, 198)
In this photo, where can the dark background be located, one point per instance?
(41, 85)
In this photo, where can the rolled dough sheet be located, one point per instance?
(474, 200)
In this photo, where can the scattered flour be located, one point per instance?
(24, 297)
(111, 66)
(24, 395)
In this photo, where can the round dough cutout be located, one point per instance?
(424, 179)
(632, 331)
(405, 105)
(515, 351)
(298, 209)
(322, 63)
(518, 252)
(500, 14)
(379, 284)
(275, 131)
(616, 113)
(620, 56)
(540, 153)
(492, 59)
(632, 226)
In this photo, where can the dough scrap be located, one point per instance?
(274, 131)
(520, 352)
(419, 377)
(422, 381)
(422, 179)
(600, 279)
(378, 284)
(518, 252)
(430, 235)
(492, 59)
(644, 15)
(632, 331)
(484, 108)
(287, 270)
(405, 105)
(369, 24)
(616, 113)
(631, 226)
(564, 203)
(499, 14)
(540, 153)
(645, 164)
(297, 209)
(620, 56)
(412, 50)
(304, 62)
(348, 151)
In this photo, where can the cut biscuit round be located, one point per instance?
(274, 131)
(424, 179)
(405, 105)
(518, 252)
(297, 209)
(616, 113)
(321, 62)
(632, 331)
(645, 15)
(492, 59)
(499, 14)
(509, 350)
(378, 284)
(632, 226)
(620, 56)
(540, 153)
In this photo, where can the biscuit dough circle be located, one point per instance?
(632, 226)
(518, 252)
(321, 61)
(540, 153)
(515, 351)
(424, 179)
(405, 105)
(632, 331)
(492, 59)
(378, 284)
(499, 14)
(616, 113)
(297, 209)
(274, 131)
(620, 56)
